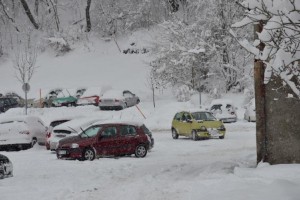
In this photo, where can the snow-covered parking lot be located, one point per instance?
(174, 169)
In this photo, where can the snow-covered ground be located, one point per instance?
(174, 169)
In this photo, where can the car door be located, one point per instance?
(128, 98)
(128, 139)
(186, 124)
(107, 143)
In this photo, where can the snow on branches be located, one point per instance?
(281, 36)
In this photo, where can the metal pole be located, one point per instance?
(26, 102)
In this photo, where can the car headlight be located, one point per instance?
(221, 128)
(203, 128)
(74, 145)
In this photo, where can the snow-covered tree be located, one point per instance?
(196, 47)
(280, 35)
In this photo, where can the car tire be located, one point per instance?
(174, 134)
(221, 137)
(1, 174)
(249, 120)
(140, 151)
(194, 135)
(88, 154)
(33, 142)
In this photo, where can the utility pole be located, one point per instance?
(260, 94)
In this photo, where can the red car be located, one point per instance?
(107, 139)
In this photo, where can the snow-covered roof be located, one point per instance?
(77, 124)
(113, 94)
(115, 121)
(221, 101)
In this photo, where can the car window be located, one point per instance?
(146, 130)
(128, 130)
(216, 107)
(127, 95)
(177, 116)
(90, 132)
(1, 102)
(109, 132)
(185, 117)
(58, 122)
(205, 116)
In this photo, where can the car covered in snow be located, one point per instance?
(224, 110)
(197, 125)
(91, 96)
(21, 132)
(6, 167)
(67, 97)
(46, 97)
(68, 129)
(250, 114)
(53, 123)
(118, 100)
(107, 138)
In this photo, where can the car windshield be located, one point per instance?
(205, 116)
(90, 132)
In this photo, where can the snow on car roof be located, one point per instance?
(20, 118)
(113, 94)
(115, 121)
(75, 125)
(221, 101)
(93, 91)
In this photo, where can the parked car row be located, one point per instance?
(105, 98)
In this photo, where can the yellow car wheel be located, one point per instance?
(194, 135)
(174, 134)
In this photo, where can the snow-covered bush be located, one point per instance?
(60, 45)
(214, 94)
(182, 93)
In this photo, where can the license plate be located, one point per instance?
(214, 133)
(62, 152)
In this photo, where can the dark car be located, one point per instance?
(7, 103)
(6, 167)
(104, 139)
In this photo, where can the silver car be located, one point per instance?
(118, 100)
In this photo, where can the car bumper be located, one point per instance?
(228, 120)
(69, 153)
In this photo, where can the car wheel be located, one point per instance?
(140, 151)
(89, 154)
(221, 137)
(1, 174)
(174, 134)
(194, 135)
(45, 105)
(33, 142)
(249, 120)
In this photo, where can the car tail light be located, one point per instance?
(48, 135)
(24, 132)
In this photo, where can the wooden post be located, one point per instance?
(259, 69)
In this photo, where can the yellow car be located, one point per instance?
(197, 125)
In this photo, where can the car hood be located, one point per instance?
(211, 124)
(70, 140)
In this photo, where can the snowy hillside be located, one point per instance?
(174, 169)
